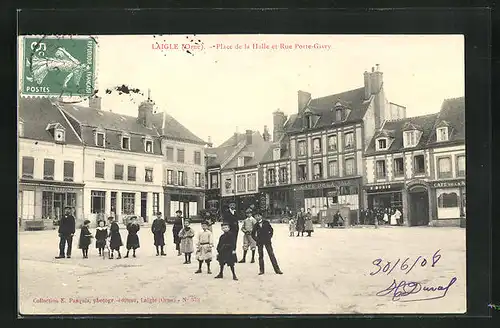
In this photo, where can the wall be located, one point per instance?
(452, 152)
(189, 167)
(233, 175)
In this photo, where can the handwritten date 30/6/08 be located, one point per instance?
(406, 265)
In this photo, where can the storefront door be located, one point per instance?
(144, 206)
(419, 208)
(58, 205)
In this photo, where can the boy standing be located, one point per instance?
(158, 229)
(225, 251)
(263, 233)
(204, 247)
(248, 241)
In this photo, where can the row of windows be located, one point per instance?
(332, 169)
(332, 144)
(119, 173)
(98, 202)
(282, 177)
(181, 155)
(246, 182)
(28, 169)
(444, 168)
(179, 178)
(411, 138)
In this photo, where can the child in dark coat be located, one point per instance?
(85, 237)
(132, 238)
(115, 241)
(101, 234)
(225, 251)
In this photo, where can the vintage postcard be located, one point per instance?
(241, 174)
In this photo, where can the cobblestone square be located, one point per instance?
(328, 273)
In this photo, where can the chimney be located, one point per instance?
(209, 143)
(376, 79)
(248, 135)
(236, 137)
(368, 85)
(279, 120)
(145, 115)
(95, 102)
(266, 135)
(303, 100)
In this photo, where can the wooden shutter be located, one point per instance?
(202, 180)
(194, 179)
(174, 177)
(185, 178)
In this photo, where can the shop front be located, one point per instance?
(448, 202)
(380, 197)
(45, 201)
(278, 200)
(189, 201)
(243, 202)
(343, 195)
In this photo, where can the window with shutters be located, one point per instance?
(349, 140)
(28, 167)
(170, 154)
(214, 180)
(332, 143)
(197, 158)
(180, 155)
(271, 176)
(181, 178)
(68, 171)
(170, 177)
(302, 148)
(333, 169)
(283, 175)
(317, 171)
(444, 168)
(419, 164)
(252, 181)
(381, 171)
(118, 172)
(131, 170)
(197, 179)
(48, 169)
(148, 175)
(399, 169)
(241, 183)
(302, 172)
(99, 169)
(317, 145)
(461, 166)
(349, 166)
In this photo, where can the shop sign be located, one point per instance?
(448, 184)
(329, 184)
(383, 187)
(60, 189)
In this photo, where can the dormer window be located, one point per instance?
(442, 134)
(241, 161)
(58, 132)
(381, 144)
(20, 128)
(125, 141)
(410, 138)
(148, 145)
(100, 138)
(276, 154)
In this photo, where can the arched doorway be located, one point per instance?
(419, 205)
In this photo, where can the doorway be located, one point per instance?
(419, 208)
(144, 206)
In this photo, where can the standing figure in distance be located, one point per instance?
(231, 217)
(308, 226)
(158, 229)
(301, 221)
(133, 228)
(291, 226)
(85, 237)
(66, 231)
(225, 251)
(204, 247)
(101, 233)
(115, 241)
(248, 241)
(263, 233)
(178, 225)
(186, 235)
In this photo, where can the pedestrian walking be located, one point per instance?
(85, 237)
(225, 251)
(115, 241)
(231, 217)
(397, 215)
(186, 246)
(301, 221)
(263, 233)
(101, 234)
(133, 228)
(248, 241)
(178, 225)
(291, 227)
(204, 247)
(308, 225)
(66, 231)
(158, 229)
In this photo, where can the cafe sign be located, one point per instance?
(448, 184)
(383, 187)
(325, 185)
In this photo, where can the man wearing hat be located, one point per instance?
(178, 225)
(231, 218)
(248, 241)
(262, 233)
(66, 231)
(158, 229)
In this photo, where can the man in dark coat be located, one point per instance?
(231, 217)
(158, 229)
(225, 252)
(66, 232)
(178, 225)
(262, 233)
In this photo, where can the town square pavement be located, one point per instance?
(328, 273)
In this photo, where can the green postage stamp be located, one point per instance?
(62, 66)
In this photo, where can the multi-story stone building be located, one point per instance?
(324, 142)
(398, 168)
(50, 163)
(447, 183)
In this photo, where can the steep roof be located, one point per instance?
(174, 129)
(395, 128)
(258, 147)
(217, 155)
(322, 107)
(85, 120)
(452, 114)
(233, 140)
(37, 114)
(268, 156)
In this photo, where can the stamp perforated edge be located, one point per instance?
(20, 60)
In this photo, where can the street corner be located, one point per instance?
(62, 66)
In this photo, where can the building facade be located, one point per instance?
(50, 166)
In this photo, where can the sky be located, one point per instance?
(216, 91)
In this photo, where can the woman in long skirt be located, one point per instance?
(132, 238)
(308, 226)
(115, 241)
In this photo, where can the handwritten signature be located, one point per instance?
(406, 288)
(404, 266)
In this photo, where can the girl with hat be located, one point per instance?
(132, 238)
(101, 233)
(186, 246)
(85, 237)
